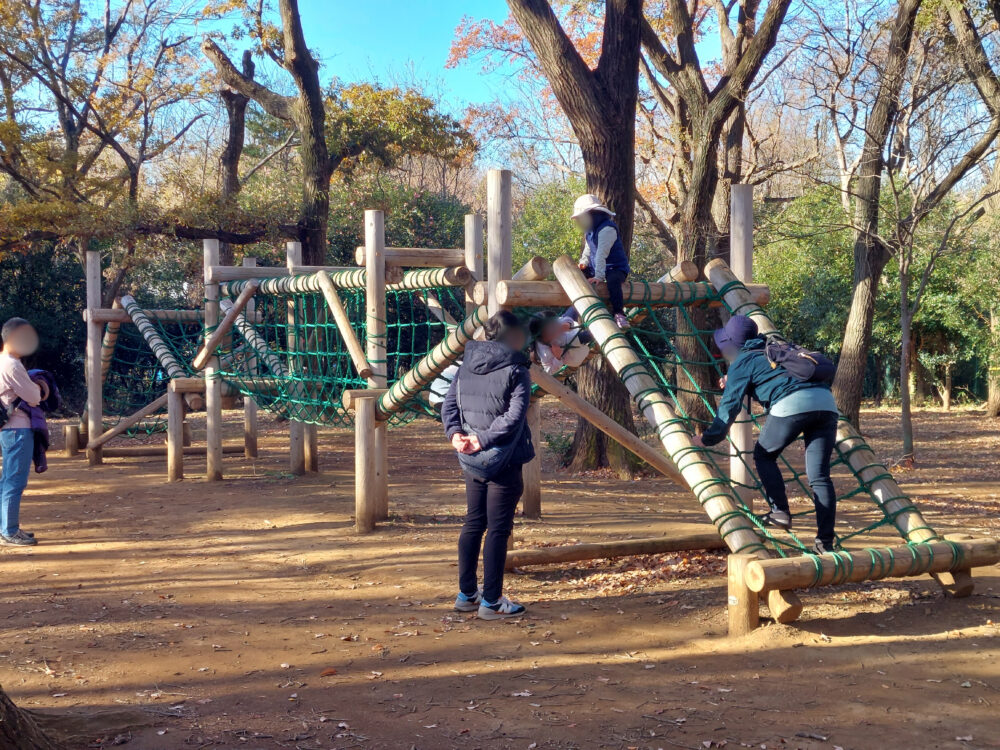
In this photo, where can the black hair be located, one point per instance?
(501, 324)
(10, 326)
(538, 322)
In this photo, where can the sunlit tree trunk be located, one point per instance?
(993, 376)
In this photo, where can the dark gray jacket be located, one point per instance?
(496, 390)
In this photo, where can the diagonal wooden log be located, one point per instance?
(225, 325)
(159, 347)
(605, 424)
(710, 486)
(880, 484)
(130, 421)
(343, 321)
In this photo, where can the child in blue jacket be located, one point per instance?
(604, 257)
(794, 408)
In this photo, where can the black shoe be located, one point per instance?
(822, 548)
(779, 518)
(20, 539)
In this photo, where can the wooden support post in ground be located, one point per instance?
(311, 448)
(473, 255)
(499, 216)
(376, 349)
(531, 473)
(95, 396)
(859, 456)
(71, 440)
(743, 604)
(365, 473)
(213, 385)
(713, 490)
(250, 449)
(175, 436)
(741, 257)
(296, 429)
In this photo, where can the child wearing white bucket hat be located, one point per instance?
(604, 257)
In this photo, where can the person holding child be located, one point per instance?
(17, 439)
(604, 257)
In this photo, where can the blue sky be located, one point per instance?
(389, 38)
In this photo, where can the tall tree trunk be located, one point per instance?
(235, 103)
(597, 382)
(870, 256)
(948, 386)
(993, 371)
(19, 731)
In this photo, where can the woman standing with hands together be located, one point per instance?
(484, 416)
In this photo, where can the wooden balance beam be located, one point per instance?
(520, 558)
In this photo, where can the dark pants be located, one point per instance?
(819, 430)
(491, 508)
(614, 279)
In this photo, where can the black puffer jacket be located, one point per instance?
(496, 389)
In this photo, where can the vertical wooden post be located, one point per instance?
(175, 436)
(310, 448)
(499, 216)
(249, 405)
(473, 255)
(743, 606)
(213, 386)
(95, 331)
(531, 499)
(741, 258)
(365, 472)
(71, 440)
(376, 349)
(296, 430)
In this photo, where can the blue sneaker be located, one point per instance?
(465, 603)
(501, 610)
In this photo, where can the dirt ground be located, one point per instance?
(248, 614)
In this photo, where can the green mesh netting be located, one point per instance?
(292, 360)
(133, 375)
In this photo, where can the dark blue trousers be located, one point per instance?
(819, 430)
(490, 512)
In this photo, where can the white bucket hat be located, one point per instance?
(589, 202)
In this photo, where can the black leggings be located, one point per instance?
(819, 430)
(491, 507)
(614, 279)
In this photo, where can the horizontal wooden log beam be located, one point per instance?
(417, 257)
(118, 315)
(351, 395)
(139, 451)
(551, 293)
(807, 571)
(219, 274)
(520, 558)
(425, 278)
(186, 385)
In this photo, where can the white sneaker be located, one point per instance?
(501, 610)
(464, 604)
(622, 321)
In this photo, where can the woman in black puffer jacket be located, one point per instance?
(484, 416)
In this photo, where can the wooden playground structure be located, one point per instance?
(281, 337)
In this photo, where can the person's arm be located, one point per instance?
(605, 241)
(506, 425)
(550, 363)
(585, 255)
(23, 386)
(737, 385)
(450, 417)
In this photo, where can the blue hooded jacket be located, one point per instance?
(751, 375)
(496, 390)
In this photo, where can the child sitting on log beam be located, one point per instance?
(559, 341)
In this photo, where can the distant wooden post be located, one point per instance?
(743, 604)
(175, 436)
(71, 440)
(296, 429)
(250, 448)
(741, 262)
(531, 473)
(376, 348)
(213, 386)
(95, 396)
(473, 255)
